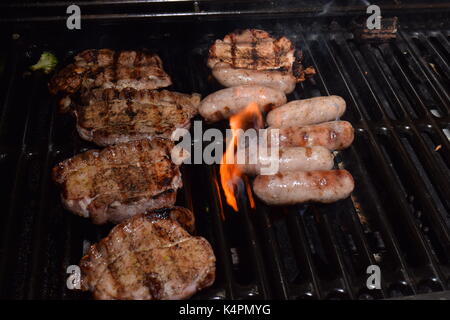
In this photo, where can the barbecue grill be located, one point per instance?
(398, 100)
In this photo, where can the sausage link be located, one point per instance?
(232, 77)
(300, 186)
(226, 102)
(290, 159)
(308, 111)
(333, 135)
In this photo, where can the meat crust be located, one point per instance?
(119, 181)
(253, 49)
(148, 257)
(183, 216)
(105, 68)
(115, 116)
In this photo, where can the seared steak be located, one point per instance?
(119, 181)
(106, 68)
(148, 257)
(253, 49)
(113, 116)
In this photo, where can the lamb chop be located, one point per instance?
(119, 181)
(148, 257)
(105, 68)
(111, 116)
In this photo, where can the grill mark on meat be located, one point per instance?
(113, 69)
(137, 59)
(129, 110)
(123, 174)
(210, 276)
(277, 51)
(154, 286)
(115, 65)
(233, 49)
(119, 287)
(133, 114)
(95, 53)
(254, 50)
(137, 265)
(134, 251)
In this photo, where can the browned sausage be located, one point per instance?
(224, 103)
(300, 186)
(334, 135)
(291, 159)
(231, 77)
(308, 111)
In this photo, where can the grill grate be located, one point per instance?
(398, 216)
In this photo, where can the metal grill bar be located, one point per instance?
(273, 255)
(374, 146)
(398, 146)
(303, 255)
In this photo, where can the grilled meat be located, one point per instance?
(183, 216)
(307, 111)
(253, 49)
(299, 186)
(113, 116)
(333, 135)
(288, 159)
(119, 181)
(224, 103)
(148, 257)
(231, 77)
(105, 68)
(253, 57)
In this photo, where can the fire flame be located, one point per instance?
(230, 175)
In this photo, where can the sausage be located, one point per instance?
(290, 159)
(224, 103)
(308, 111)
(333, 135)
(231, 77)
(300, 186)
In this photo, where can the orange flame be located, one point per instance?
(230, 175)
